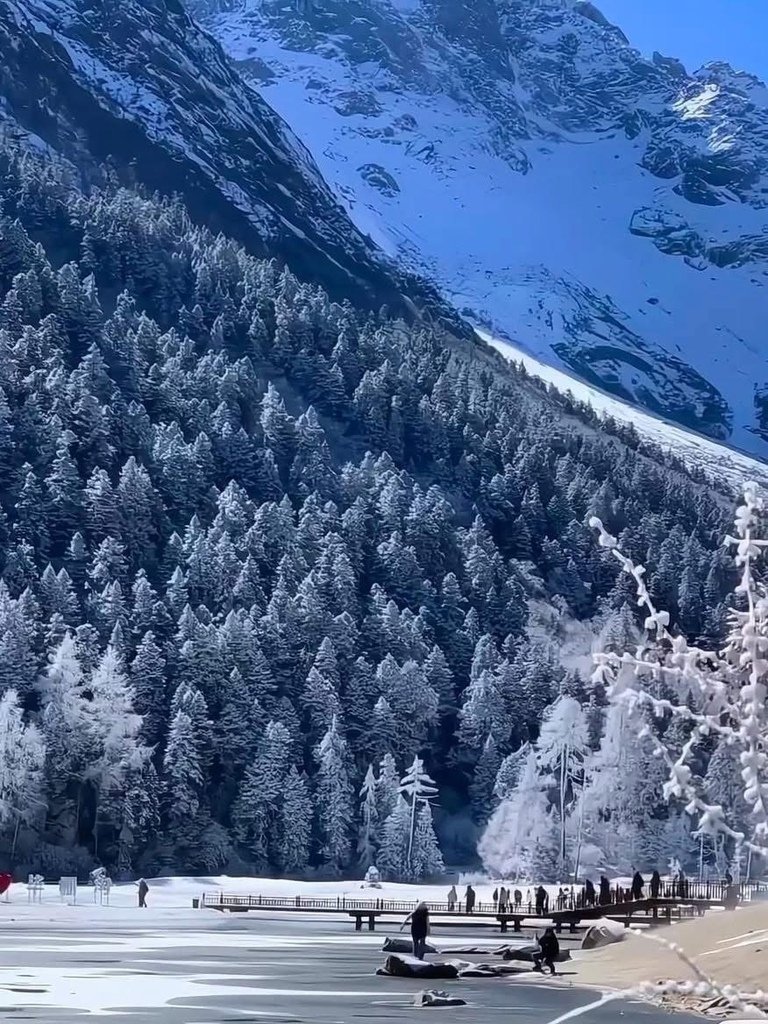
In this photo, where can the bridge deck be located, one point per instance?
(697, 899)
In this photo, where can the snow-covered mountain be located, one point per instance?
(604, 211)
(138, 84)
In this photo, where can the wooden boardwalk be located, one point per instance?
(670, 905)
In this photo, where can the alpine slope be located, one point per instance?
(601, 210)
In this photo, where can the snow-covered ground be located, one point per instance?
(695, 449)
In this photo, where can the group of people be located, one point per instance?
(507, 900)
(470, 898)
(504, 899)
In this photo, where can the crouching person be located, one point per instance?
(549, 950)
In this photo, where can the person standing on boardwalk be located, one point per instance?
(542, 901)
(503, 900)
(518, 898)
(469, 899)
(637, 886)
(452, 897)
(605, 890)
(143, 890)
(495, 898)
(419, 919)
(655, 885)
(590, 895)
(549, 950)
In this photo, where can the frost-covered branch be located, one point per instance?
(716, 693)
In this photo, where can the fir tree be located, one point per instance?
(334, 798)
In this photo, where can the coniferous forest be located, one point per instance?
(261, 550)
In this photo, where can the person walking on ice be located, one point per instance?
(143, 890)
(419, 920)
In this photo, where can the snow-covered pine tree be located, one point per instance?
(426, 857)
(256, 813)
(22, 762)
(509, 772)
(387, 787)
(417, 788)
(621, 800)
(483, 785)
(64, 724)
(114, 729)
(368, 836)
(295, 822)
(510, 846)
(395, 836)
(334, 798)
(561, 748)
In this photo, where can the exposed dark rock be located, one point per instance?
(403, 945)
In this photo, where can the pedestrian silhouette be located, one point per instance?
(637, 886)
(419, 919)
(549, 948)
(452, 897)
(469, 899)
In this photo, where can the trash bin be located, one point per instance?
(196, 903)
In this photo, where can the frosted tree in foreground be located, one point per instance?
(717, 694)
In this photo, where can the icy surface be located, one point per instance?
(173, 965)
(605, 212)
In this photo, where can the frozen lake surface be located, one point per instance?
(173, 965)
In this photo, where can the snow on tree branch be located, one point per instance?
(718, 693)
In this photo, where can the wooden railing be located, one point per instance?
(712, 892)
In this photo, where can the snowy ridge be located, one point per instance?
(694, 449)
(605, 211)
(140, 84)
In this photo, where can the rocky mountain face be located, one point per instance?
(603, 210)
(140, 86)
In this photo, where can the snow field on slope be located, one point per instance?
(694, 449)
(514, 248)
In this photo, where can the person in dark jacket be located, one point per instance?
(419, 919)
(542, 901)
(469, 899)
(589, 893)
(605, 890)
(452, 898)
(495, 898)
(638, 884)
(549, 949)
(143, 890)
(655, 885)
(518, 896)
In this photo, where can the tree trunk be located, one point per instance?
(15, 840)
(411, 833)
(96, 830)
